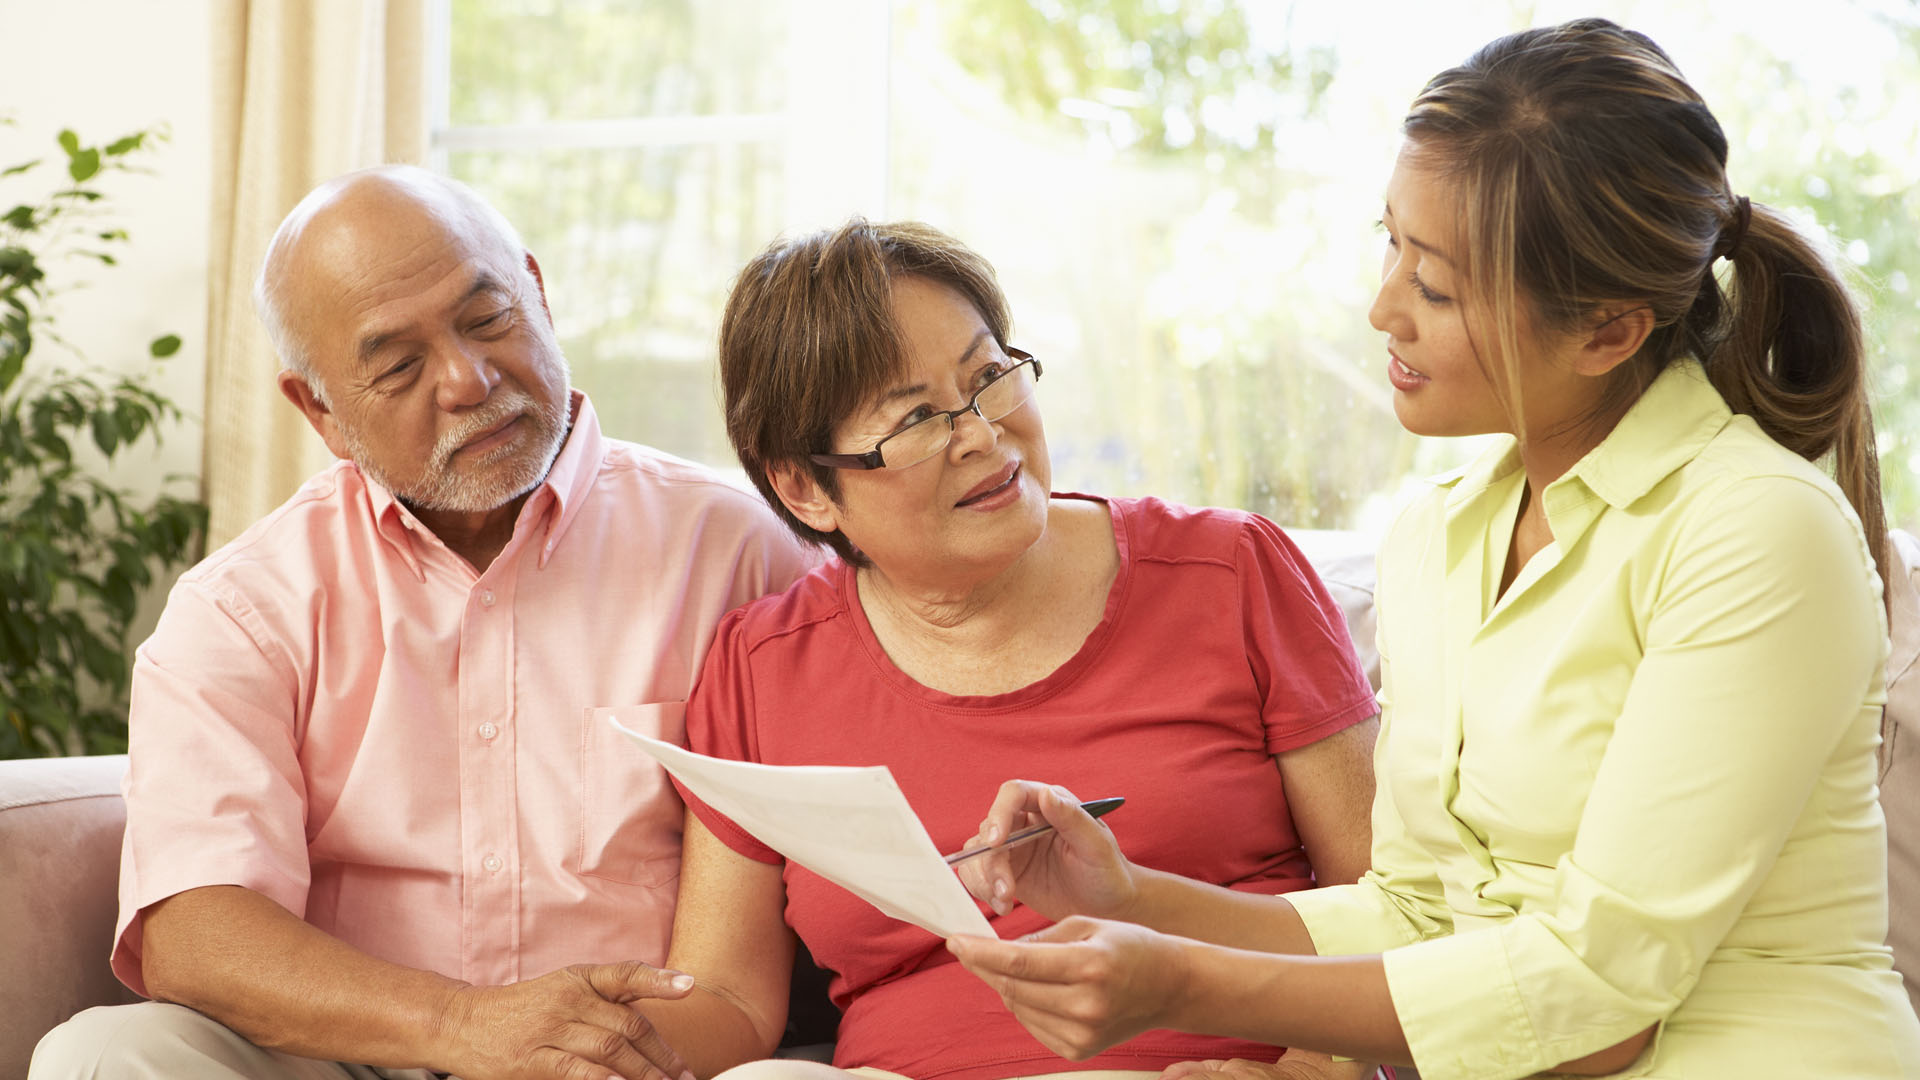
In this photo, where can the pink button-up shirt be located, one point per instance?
(336, 711)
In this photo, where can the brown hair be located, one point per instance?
(1592, 175)
(809, 337)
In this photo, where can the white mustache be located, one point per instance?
(509, 403)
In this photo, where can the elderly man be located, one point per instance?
(373, 811)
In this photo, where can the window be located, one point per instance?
(1179, 196)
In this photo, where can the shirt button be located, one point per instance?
(486, 597)
(488, 731)
(492, 863)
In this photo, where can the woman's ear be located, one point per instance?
(803, 497)
(1618, 336)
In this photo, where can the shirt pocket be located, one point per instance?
(630, 814)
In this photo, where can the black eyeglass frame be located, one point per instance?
(872, 458)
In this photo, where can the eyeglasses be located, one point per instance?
(912, 445)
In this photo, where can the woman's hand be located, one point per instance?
(1082, 985)
(1296, 1065)
(1075, 870)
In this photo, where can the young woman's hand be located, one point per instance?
(1075, 870)
(1082, 985)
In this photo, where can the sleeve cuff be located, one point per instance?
(725, 830)
(1281, 739)
(1461, 1009)
(1352, 920)
(137, 894)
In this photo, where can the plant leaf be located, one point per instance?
(132, 420)
(165, 346)
(126, 143)
(106, 434)
(11, 361)
(69, 142)
(83, 165)
(15, 170)
(119, 597)
(20, 217)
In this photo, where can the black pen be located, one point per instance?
(1094, 807)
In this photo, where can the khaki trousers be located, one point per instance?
(153, 1040)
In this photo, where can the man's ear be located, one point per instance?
(1615, 339)
(296, 389)
(539, 285)
(801, 494)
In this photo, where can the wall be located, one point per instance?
(105, 68)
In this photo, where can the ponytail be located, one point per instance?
(1792, 355)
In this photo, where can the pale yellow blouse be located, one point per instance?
(1639, 787)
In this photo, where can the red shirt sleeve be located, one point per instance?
(1310, 680)
(721, 723)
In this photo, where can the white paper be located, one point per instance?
(850, 825)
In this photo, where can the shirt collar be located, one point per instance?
(1672, 422)
(1674, 419)
(553, 504)
(571, 476)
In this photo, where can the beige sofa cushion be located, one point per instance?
(1900, 761)
(60, 826)
(1344, 561)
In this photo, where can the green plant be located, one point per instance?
(75, 550)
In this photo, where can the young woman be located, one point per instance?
(1632, 659)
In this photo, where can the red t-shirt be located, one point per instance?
(1218, 649)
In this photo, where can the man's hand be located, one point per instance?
(577, 1023)
(1296, 1065)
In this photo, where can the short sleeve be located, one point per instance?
(1311, 683)
(215, 793)
(721, 723)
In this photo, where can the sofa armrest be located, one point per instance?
(61, 820)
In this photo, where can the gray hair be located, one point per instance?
(269, 285)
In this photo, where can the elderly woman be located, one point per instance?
(976, 625)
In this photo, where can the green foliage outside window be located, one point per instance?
(75, 550)
(1170, 191)
(1113, 71)
(639, 242)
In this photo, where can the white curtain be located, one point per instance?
(303, 90)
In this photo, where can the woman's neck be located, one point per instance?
(994, 633)
(1548, 456)
(964, 596)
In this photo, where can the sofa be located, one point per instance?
(61, 822)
